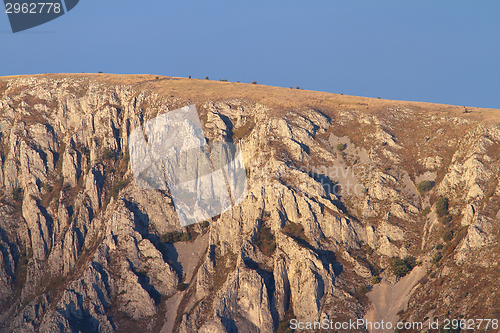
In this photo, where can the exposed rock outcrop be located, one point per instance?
(332, 198)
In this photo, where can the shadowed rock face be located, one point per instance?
(332, 197)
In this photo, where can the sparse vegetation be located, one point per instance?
(120, 184)
(442, 207)
(458, 235)
(244, 130)
(175, 236)
(34, 197)
(363, 289)
(368, 249)
(17, 194)
(182, 286)
(341, 146)
(47, 187)
(425, 186)
(375, 280)
(436, 257)
(426, 211)
(265, 241)
(445, 219)
(295, 231)
(284, 325)
(401, 267)
(447, 236)
(439, 246)
(108, 154)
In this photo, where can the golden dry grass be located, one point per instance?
(199, 91)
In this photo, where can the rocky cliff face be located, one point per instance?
(332, 198)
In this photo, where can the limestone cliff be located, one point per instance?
(334, 193)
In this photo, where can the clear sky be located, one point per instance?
(425, 50)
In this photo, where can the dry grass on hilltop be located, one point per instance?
(199, 91)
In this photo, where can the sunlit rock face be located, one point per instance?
(127, 206)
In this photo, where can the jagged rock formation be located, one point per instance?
(332, 198)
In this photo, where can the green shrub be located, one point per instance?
(340, 146)
(447, 236)
(118, 186)
(375, 280)
(185, 237)
(205, 224)
(439, 246)
(34, 197)
(284, 327)
(108, 154)
(47, 187)
(17, 194)
(401, 267)
(437, 257)
(424, 186)
(296, 231)
(410, 262)
(175, 236)
(426, 211)
(445, 219)
(363, 289)
(442, 207)
(182, 286)
(265, 241)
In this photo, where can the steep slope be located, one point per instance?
(332, 198)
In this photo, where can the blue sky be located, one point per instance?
(432, 51)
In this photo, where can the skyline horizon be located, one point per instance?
(443, 53)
